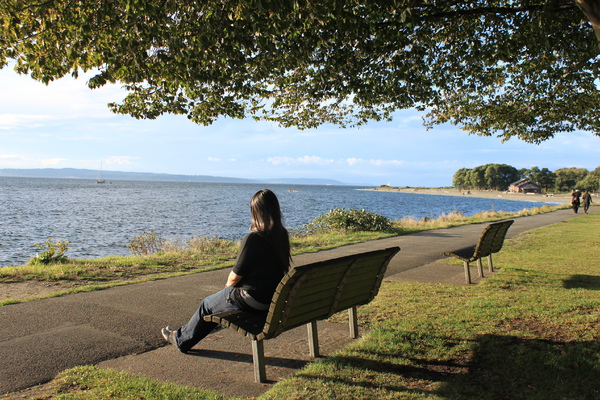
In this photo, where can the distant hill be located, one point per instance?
(74, 173)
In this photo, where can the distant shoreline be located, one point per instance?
(552, 198)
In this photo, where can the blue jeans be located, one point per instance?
(197, 328)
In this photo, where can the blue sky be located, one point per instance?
(67, 125)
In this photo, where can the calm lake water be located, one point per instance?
(101, 219)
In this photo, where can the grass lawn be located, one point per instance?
(529, 332)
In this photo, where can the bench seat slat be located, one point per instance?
(465, 254)
(241, 321)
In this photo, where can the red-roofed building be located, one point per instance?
(525, 186)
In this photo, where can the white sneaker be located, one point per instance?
(169, 334)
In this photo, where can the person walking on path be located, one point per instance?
(263, 259)
(587, 199)
(575, 203)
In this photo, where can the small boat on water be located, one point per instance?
(100, 179)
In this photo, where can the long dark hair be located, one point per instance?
(267, 220)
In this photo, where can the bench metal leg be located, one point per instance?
(258, 355)
(490, 263)
(313, 339)
(353, 322)
(467, 273)
(480, 267)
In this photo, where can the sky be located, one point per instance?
(67, 125)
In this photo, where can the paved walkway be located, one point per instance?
(119, 327)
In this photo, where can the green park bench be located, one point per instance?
(309, 293)
(490, 241)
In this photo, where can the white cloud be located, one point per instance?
(219, 159)
(63, 99)
(305, 160)
(11, 121)
(314, 160)
(280, 160)
(21, 161)
(53, 161)
(403, 120)
(13, 160)
(120, 160)
(378, 163)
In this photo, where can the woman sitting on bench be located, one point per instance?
(264, 258)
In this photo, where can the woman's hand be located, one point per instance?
(233, 279)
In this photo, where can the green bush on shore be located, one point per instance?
(348, 220)
(53, 253)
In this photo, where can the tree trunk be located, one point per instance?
(591, 9)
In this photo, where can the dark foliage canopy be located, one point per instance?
(527, 69)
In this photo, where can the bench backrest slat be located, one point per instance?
(316, 291)
(500, 235)
(362, 281)
(287, 310)
(491, 239)
(308, 279)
